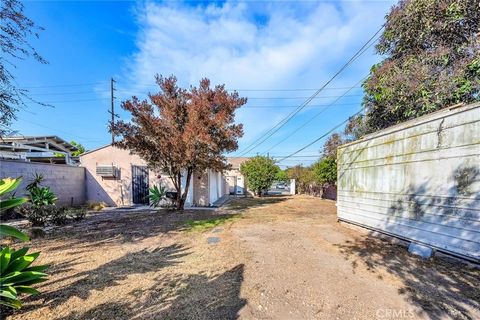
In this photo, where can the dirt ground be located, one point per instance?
(280, 258)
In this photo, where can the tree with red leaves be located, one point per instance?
(181, 131)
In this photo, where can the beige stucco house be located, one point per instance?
(118, 178)
(234, 178)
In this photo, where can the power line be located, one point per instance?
(65, 85)
(80, 100)
(280, 124)
(58, 130)
(292, 98)
(322, 136)
(313, 118)
(256, 89)
(67, 93)
(309, 106)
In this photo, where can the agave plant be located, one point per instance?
(16, 274)
(157, 194)
(42, 196)
(9, 185)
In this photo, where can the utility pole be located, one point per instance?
(112, 110)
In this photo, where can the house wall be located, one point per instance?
(115, 191)
(67, 182)
(201, 189)
(419, 180)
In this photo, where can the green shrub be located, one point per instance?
(37, 215)
(325, 171)
(157, 194)
(56, 216)
(42, 196)
(17, 276)
(259, 172)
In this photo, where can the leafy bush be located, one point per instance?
(260, 172)
(37, 215)
(56, 216)
(17, 276)
(325, 170)
(157, 194)
(42, 196)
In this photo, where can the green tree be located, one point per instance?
(281, 175)
(304, 178)
(325, 170)
(432, 61)
(80, 147)
(259, 172)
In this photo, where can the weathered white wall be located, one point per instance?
(419, 180)
(67, 182)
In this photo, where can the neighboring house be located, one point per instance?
(235, 179)
(43, 149)
(117, 178)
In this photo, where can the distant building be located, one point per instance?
(117, 177)
(235, 179)
(46, 149)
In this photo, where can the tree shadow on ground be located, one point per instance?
(441, 288)
(111, 274)
(246, 203)
(196, 296)
(124, 227)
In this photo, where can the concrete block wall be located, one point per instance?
(67, 182)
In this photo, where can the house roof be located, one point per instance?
(36, 143)
(236, 161)
(96, 149)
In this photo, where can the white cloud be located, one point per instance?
(253, 45)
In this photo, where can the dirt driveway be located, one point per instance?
(272, 258)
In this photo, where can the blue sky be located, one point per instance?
(249, 46)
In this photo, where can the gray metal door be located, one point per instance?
(140, 185)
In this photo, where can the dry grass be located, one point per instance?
(277, 256)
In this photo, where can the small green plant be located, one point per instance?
(206, 224)
(157, 194)
(35, 182)
(16, 273)
(42, 196)
(17, 276)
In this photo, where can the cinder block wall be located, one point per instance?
(67, 182)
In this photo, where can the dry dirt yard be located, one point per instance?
(271, 258)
